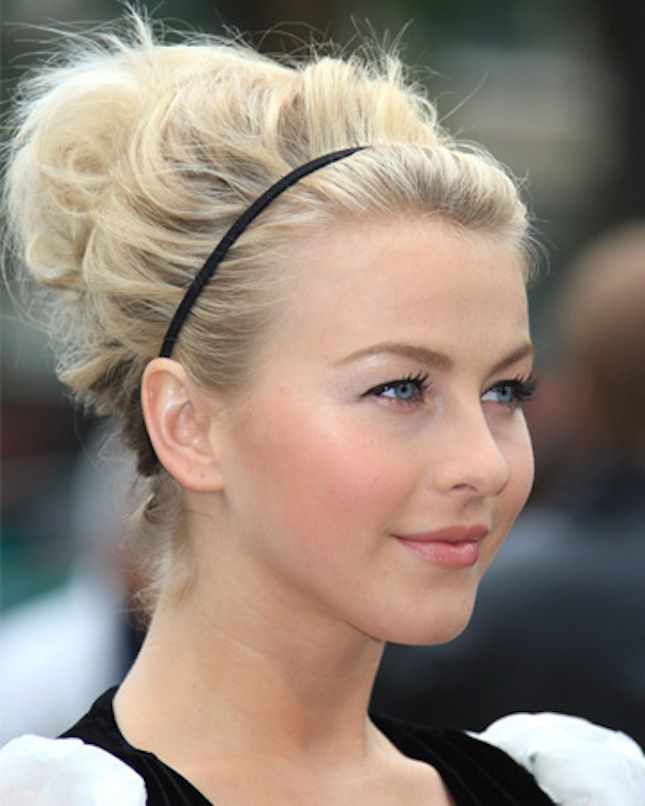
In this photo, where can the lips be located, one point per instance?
(449, 534)
(451, 547)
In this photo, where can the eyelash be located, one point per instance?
(418, 382)
(523, 389)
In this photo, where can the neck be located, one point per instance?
(214, 670)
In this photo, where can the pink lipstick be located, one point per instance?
(451, 547)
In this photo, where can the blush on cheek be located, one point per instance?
(313, 478)
(348, 477)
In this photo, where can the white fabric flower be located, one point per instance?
(574, 761)
(65, 772)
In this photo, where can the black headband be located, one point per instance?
(233, 233)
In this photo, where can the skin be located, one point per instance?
(293, 498)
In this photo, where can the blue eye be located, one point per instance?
(511, 392)
(402, 390)
(406, 390)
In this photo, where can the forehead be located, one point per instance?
(413, 279)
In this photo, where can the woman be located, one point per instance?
(327, 417)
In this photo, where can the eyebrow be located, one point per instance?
(432, 358)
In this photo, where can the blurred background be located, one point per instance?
(557, 92)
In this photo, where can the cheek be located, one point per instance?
(316, 471)
(519, 453)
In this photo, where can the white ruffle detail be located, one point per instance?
(574, 761)
(65, 772)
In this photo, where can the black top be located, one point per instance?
(475, 773)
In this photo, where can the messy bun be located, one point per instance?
(131, 158)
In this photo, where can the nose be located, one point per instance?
(468, 458)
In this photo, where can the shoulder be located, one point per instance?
(529, 759)
(473, 770)
(573, 760)
(162, 783)
(66, 772)
(85, 767)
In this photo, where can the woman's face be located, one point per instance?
(386, 408)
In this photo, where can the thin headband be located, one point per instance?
(234, 232)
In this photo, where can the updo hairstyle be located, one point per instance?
(129, 160)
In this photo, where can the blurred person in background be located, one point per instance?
(560, 619)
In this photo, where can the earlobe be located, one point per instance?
(178, 418)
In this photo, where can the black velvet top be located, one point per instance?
(475, 773)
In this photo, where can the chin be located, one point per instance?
(439, 627)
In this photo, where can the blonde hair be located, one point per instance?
(132, 157)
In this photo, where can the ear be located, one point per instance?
(180, 417)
